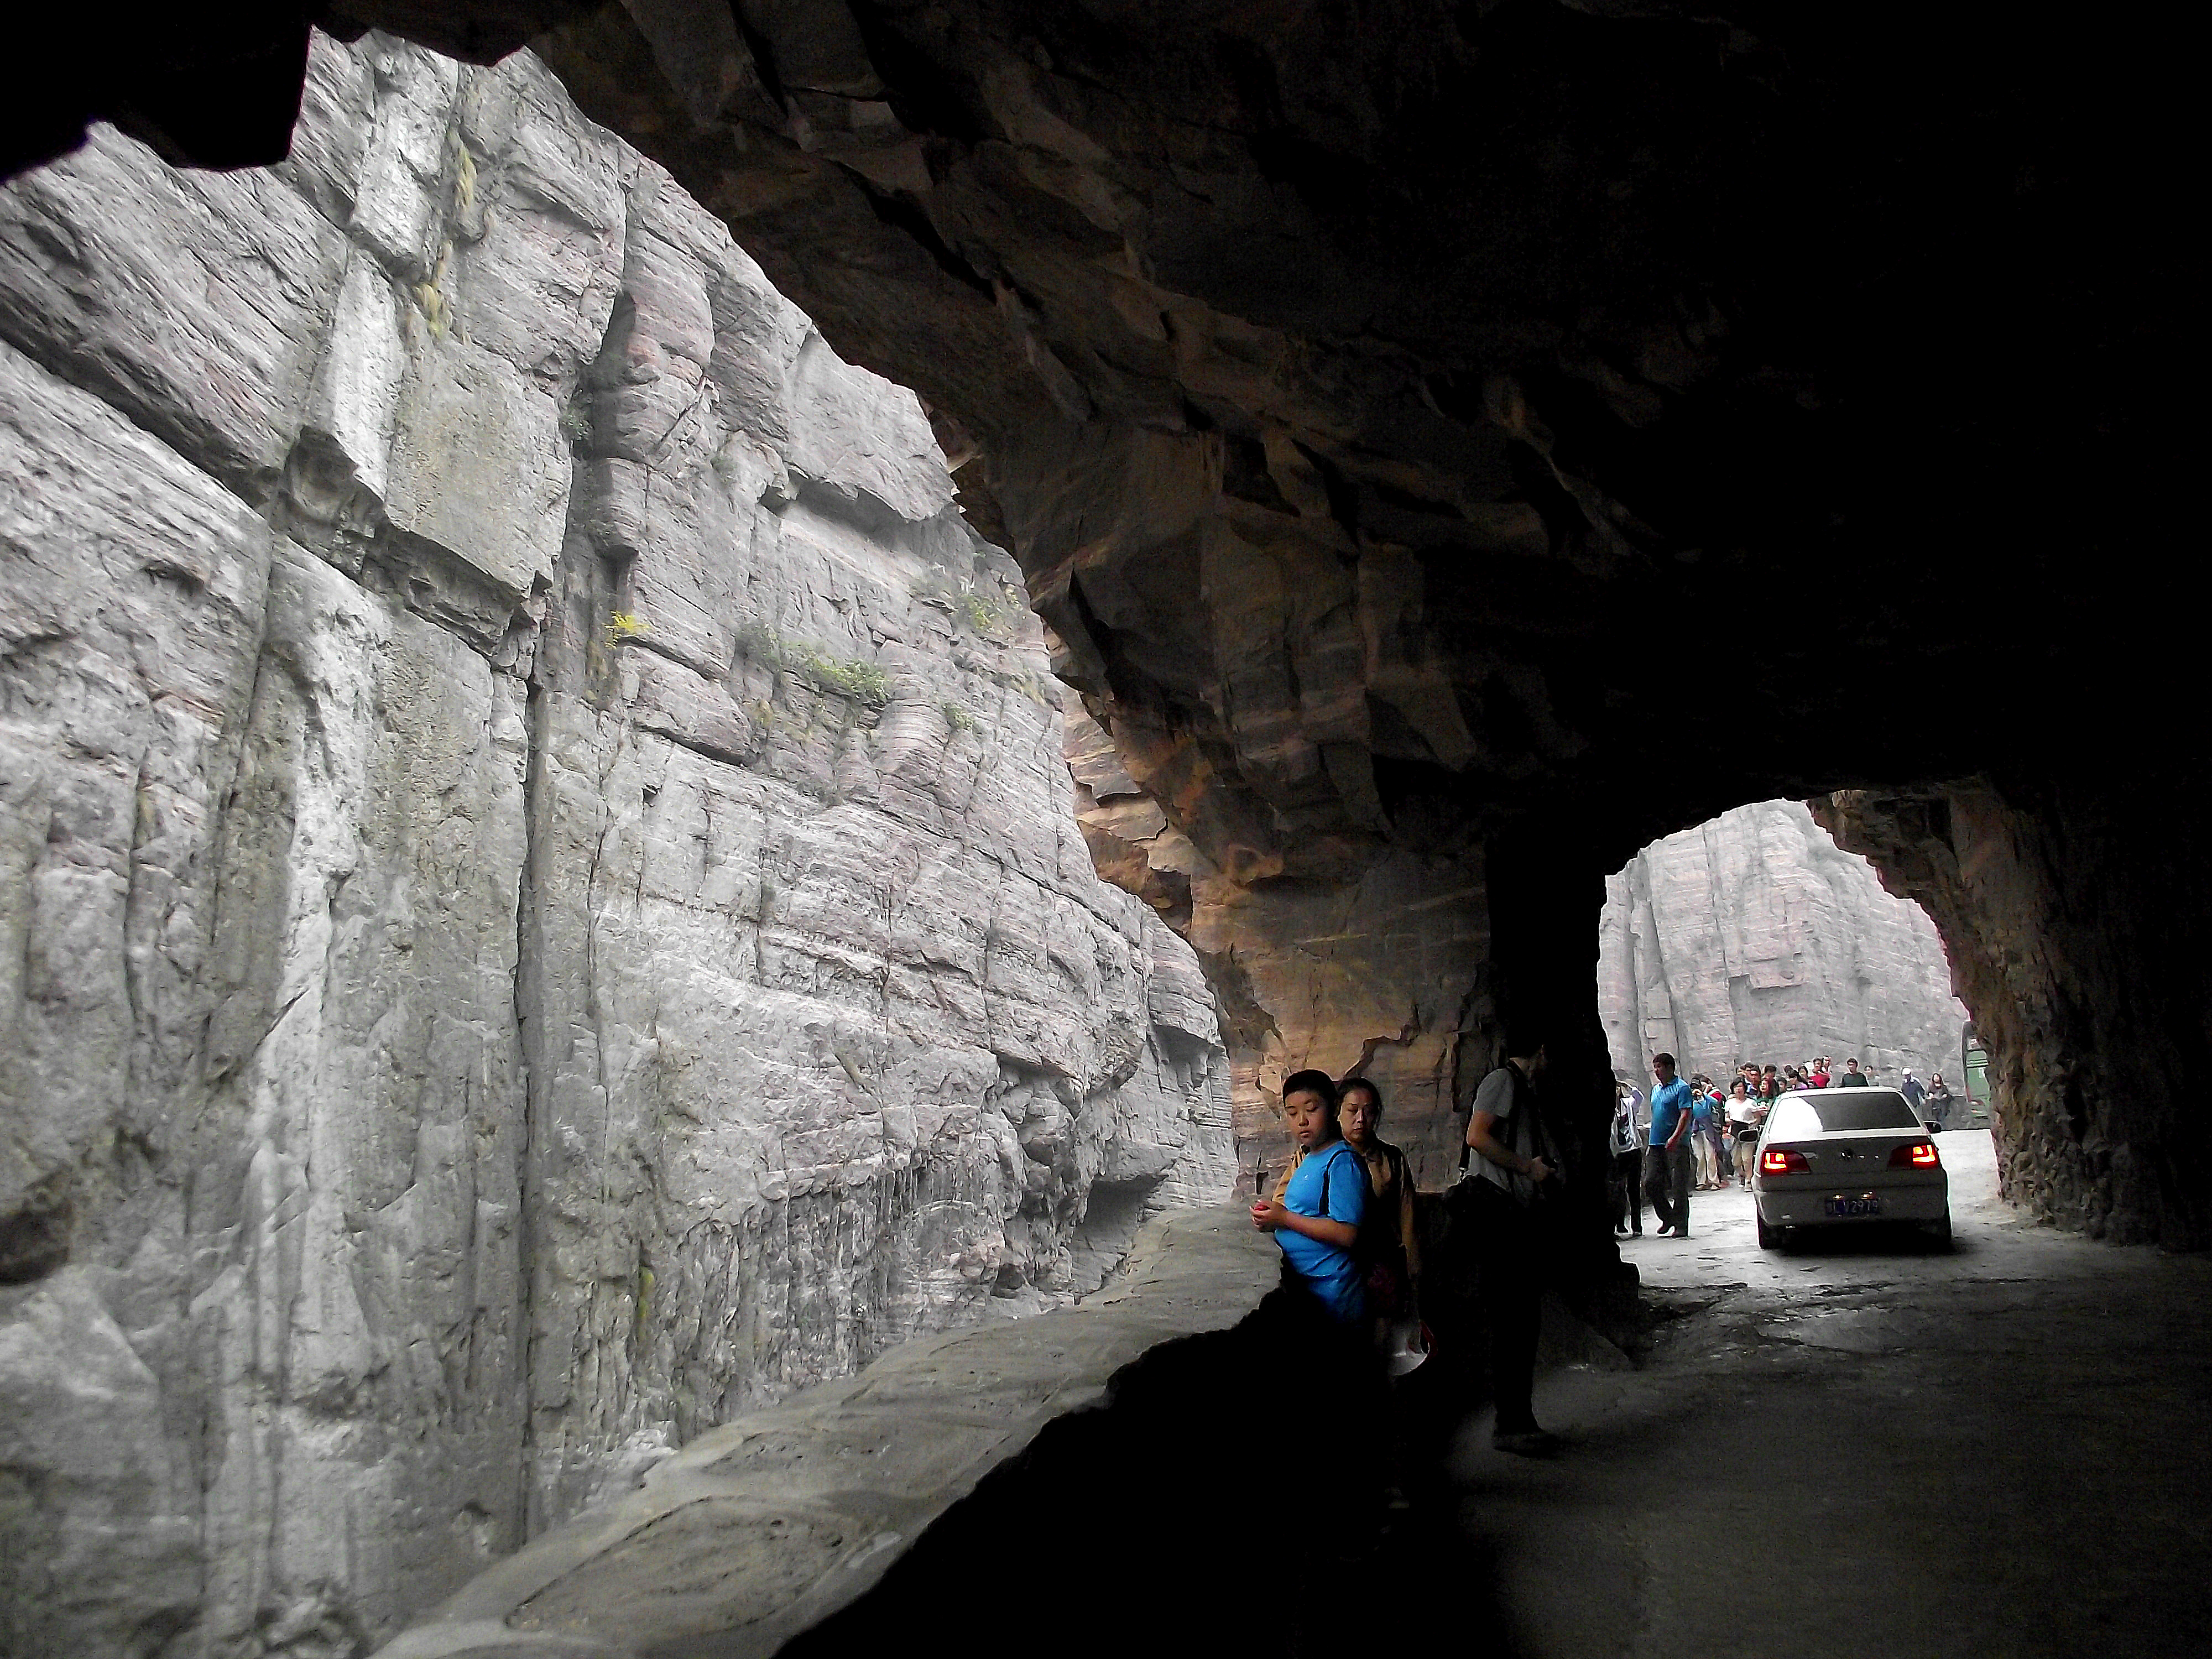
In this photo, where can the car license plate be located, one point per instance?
(1840, 1206)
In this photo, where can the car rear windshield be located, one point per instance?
(1863, 1108)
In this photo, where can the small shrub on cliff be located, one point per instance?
(986, 616)
(625, 625)
(576, 421)
(836, 677)
(464, 176)
(430, 297)
(843, 676)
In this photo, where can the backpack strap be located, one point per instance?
(1327, 1163)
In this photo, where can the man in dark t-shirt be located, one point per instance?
(1514, 1170)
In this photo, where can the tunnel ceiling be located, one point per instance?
(1433, 429)
(1407, 411)
(1376, 396)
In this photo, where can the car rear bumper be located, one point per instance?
(1807, 1206)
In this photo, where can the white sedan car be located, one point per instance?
(1835, 1156)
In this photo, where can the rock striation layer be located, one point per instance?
(542, 907)
(1754, 937)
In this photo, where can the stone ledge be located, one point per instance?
(768, 1525)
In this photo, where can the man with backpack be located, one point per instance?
(1514, 1177)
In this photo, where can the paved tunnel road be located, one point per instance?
(1869, 1449)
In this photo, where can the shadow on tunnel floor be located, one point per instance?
(1236, 1488)
(1872, 1241)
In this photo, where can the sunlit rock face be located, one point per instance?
(2069, 916)
(1754, 937)
(543, 906)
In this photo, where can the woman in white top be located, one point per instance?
(1744, 1114)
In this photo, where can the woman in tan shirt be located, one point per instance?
(1389, 1242)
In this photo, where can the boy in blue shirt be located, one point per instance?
(1316, 1220)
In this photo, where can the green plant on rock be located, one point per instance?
(464, 179)
(836, 677)
(986, 616)
(576, 420)
(430, 296)
(956, 717)
(845, 677)
(624, 625)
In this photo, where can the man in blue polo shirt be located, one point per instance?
(1669, 1161)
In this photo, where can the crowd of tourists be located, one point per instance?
(1696, 1135)
(1343, 1211)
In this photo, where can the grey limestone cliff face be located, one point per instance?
(1755, 936)
(541, 902)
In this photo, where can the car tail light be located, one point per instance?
(1915, 1155)
(1783, 1161)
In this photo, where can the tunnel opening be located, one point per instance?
(1753, 937)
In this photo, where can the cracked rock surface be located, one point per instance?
(541, 903)
(2074, 937)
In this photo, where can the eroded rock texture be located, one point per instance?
(1454, 445)
(542, 905)
(1754, 937)
(2070, 917)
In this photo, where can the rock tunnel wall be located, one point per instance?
(542, 903)
(1754, 937)
(2069, 916)
(1451, 447)
(1431, 430)
(1432, 435)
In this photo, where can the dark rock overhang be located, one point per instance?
(1617, 346)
